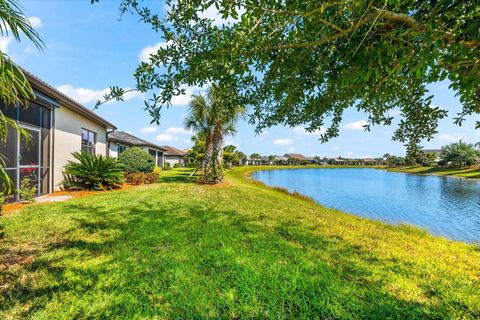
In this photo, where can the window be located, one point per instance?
(121, 148)
(88, 141)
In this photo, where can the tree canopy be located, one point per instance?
(306, 62)
(14, 87)
(459, 154)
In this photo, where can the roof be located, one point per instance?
(295, 155)
(171, 151)
(130, 140)
(67, 102)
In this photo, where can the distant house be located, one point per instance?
(119, 141)
(295, 158)
(436, 152)
(370, 161)
(57, 126)
(265, 160)
(279, 160)
(174, 156)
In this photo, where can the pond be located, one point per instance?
(448, 207)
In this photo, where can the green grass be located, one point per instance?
(177, 249)
(454, 172)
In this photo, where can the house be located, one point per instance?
(119, 141)
(249, 161)
(295, 158)
(370, 162)
(435, 152)
(58, 126)
(174, 157)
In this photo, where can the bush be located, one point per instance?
(92, 172)
(151, 177)
(459, 154)
(27, 190)
(157, 170)
(136, 160)
(140, 177)
(2, 203)
(167, 166)
(136, 177)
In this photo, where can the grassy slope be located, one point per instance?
(455, 172)
(240, 250)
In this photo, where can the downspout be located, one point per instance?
(52, 150)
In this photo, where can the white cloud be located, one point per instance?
(350, 153)
(85, 95)
(291, 149)
(165, 137)
(356, 125)
(145, 53)
(450, 137)
(231, 142)
(4, 43)
(184, 99)
(178, 130)
(282, 141)
(36, 22)
(148, 129)
(302, 132)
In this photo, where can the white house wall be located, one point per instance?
(172, 160)
(113, 150)
(68, 139)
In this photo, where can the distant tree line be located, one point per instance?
(456, 154)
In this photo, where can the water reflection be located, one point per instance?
(446, 206)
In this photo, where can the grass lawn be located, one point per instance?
(455, 172)
(240, 250)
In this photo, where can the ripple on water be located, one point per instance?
(449, 207)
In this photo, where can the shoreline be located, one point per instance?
(378, 167)
(247, 175)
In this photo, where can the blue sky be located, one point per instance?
(88, 49)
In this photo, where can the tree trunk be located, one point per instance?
(207, 160)
(216, 174)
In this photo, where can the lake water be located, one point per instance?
(448, 207)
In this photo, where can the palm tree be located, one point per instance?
(14, 87)
(214, 116)
(198, 121)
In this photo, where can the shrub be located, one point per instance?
(151, 177)
(459, 154)
(167, 166)
(136, 160)
(136, 177)
(176, 165)
(92, 172)
(27, 190)
(157, 170)
(2, 203)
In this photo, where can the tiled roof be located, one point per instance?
(294, 156)
(130, 140)
(171, 151)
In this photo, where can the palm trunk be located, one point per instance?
(208, 155)
(216, 175)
